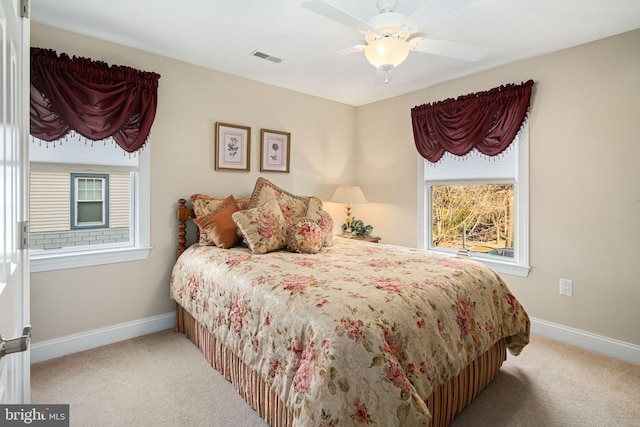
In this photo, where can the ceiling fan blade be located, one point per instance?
(312, 60)
(466, 52)
(337, 15)
(434, 11)
(351, 49)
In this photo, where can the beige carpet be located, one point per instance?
(163, 380)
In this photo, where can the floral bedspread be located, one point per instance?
(358, 333)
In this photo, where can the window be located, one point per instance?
(474, 217)
(89, 201)
(480, 203)
(88, 204)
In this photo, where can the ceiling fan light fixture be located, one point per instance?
(387, 51)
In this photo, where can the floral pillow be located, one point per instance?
(292, 207)
(264, 227)
(322, 217)
(304, 236)
(203, 204)
(219, 226)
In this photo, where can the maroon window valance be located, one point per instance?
(94, 99)
(487, 121)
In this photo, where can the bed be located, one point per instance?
(356, 333)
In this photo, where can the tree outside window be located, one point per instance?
(479, 216)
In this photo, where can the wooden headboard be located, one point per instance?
(184, 214)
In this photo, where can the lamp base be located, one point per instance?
(348, 220)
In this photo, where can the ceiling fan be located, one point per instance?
(389, 36)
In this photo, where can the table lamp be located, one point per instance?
(348, 194)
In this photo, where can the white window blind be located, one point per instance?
(476, 166)
(76, 151)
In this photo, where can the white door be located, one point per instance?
(14, 254)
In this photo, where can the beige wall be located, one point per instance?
(191, 100)
(584, 180)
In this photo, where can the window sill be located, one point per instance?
(501, 267)
(505, 267)
(61, 261)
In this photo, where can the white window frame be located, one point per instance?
(519, 265)
(138, 249)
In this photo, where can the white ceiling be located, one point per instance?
(222, 35)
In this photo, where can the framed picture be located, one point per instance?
(275, 147)
(233, 147)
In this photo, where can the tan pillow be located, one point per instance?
(304, 236)
(264, 227)
(322, 217)
(292, 207)
(219, 226)
(203, 204)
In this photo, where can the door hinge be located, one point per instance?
(25, 8)
(24, 235)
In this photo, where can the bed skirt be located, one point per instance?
(444, 404)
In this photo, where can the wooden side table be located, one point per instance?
(363, 239)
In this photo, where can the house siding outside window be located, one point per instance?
(52, 222)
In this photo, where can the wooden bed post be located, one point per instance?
(183, 216)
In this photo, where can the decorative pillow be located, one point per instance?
(322, 217)
(304, 236)
(292, 207)
(219, 226)
(203, 204)
(264, 227)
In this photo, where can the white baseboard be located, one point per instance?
(98, 337)
(600, 344)
(87, 340)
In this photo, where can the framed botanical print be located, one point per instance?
(233, 147)
(275, 147)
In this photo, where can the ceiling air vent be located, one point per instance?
(266, 56)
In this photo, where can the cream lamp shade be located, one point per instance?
(348, 194)
(387, 51)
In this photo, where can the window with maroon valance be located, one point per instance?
(93, 99)
(487, 121)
